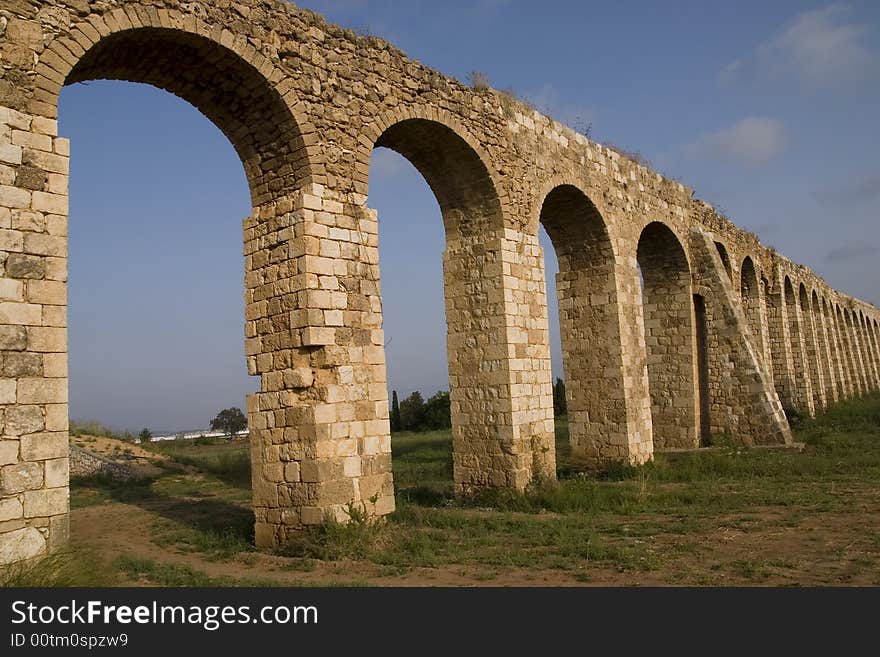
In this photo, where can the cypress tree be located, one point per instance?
(560, 406)
(395, 412)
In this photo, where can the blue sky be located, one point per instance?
(768, 110)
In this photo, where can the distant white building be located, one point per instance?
(190, 435)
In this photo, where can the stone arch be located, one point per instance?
(725, 259)
(252, 103)
(811, 343)
(480, 375)
(874, 330)
(455, 172)
(668, 315)
(780, 346)
(845, 355)
(589, 322)
(869, 338)
(854, 381)
(224, 77)
(851, 321)
(803, 391)
(867, 351)
(823, 346)
(835, 349)
(873, 324)
(858, 330)
(450, 159)
(750, 288)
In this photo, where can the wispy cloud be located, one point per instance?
(821, 48)
(851, 251)
(752, 141)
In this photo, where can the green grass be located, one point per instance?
(71, 567)
(612, 519)
(229, 461)
(149, 571)
(168, 574)
(423, 466)
(95, 428)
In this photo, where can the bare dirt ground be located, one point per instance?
(725, 517)
(768, 548)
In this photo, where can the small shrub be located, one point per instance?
(361, 538)
(794, 417)
(91, 428)
(633, 156)
(583, 126)
(478, 80)
(513, 95)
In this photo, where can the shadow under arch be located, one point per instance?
(875, 348)
(454, 170)
(812, 352)
(222, 84)
(837, 366)
(778, 337)
(750, 289)
(864, 350)
(670, 339)
(852, 380)
(867, 350)
(589, 320)
(823, 345)
(855, 353)
(725, 259)
(802, 390)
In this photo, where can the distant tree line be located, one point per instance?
(416, 414)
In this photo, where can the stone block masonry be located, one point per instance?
(677, 327)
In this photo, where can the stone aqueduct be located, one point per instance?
(676, 325)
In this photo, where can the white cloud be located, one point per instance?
(751, 141)
(820, 48)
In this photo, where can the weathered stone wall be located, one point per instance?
(84, 463)
(741, 394)
(822, 342)
(304, 103)
(33, 338)
(667, 302)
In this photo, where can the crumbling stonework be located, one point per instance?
(85, 463)
(676, 325)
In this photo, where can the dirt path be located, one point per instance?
(768, 547)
